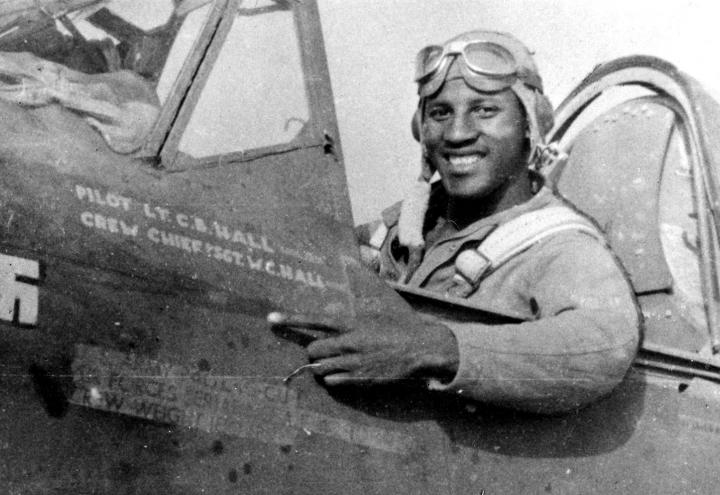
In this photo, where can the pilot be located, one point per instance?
(491, 233)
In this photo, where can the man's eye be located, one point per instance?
(438, 113)
(486, 110)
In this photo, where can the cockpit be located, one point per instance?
(152, 52)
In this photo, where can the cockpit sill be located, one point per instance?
(650, 355)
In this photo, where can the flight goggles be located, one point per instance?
(487, 66)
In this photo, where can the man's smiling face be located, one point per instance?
(476, 141)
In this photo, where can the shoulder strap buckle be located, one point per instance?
(517, 235)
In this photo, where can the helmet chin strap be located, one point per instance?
(527, 98)
(415, 205)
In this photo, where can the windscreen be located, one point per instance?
(255, 95)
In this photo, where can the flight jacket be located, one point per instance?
(578, 324)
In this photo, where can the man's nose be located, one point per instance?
(461, 129)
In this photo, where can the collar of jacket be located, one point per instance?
(438, 204)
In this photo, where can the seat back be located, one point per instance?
(629, 170)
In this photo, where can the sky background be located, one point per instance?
(371, 47)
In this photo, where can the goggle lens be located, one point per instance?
(428, 61)
(481, 57)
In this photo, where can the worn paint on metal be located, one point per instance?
(151, 421)
(183, 233)
(243, 406)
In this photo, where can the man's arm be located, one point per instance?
(578, 349)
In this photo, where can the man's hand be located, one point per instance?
(379, 349)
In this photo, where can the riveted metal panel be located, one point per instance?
(613, 174)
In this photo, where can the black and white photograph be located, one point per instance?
(359, 247)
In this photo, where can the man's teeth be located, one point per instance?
(464, 160)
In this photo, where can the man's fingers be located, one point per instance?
(338, 364)
(352, 378)
(345, 370)
(329, 347)
(323, 324)
(339, 379)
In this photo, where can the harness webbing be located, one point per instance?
(517, 235)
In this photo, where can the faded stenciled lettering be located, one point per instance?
(302, 255)
(187, 234)
(110, 224)
(136, 386)
(229, 256)
(700, 424)
(156, 212)
(247, 239)
(246, 407)
(102, 198)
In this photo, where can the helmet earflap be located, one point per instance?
(544, 112)
(416, 124)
